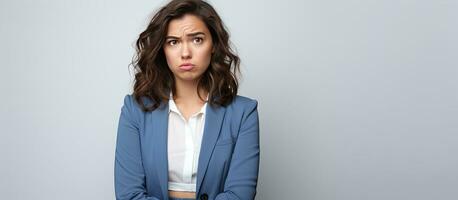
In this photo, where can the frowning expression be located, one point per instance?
(188, 47)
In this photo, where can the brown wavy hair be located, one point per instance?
(153, 78)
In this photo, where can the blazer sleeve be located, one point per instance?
(242, 176)
(129, 175)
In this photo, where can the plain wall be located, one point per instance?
(357, 99)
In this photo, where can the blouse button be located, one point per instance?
(203, 197)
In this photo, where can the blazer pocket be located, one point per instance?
(224, 142)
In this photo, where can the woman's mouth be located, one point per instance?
(186, 67)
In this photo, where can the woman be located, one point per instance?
(184, 133)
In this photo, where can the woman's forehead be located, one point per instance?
(185, 25)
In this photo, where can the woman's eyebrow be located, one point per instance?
(189, 35)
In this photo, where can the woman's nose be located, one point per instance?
(185, 51)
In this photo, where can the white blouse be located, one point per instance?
(183, 146)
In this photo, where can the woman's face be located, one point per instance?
(188, 41)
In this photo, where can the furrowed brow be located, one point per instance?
(188, 35)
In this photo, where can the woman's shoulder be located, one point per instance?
(243, 108)
(244, 103)
(239, 99)
(129, 100)
(133, 105)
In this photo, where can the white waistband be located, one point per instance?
(188, 187)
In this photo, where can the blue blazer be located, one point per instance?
(228, 160)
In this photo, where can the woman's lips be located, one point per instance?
(186, 67)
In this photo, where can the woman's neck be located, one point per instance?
(186, 92)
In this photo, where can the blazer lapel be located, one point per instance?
(213, 121)
(160, 125)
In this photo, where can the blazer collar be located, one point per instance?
(212, 127)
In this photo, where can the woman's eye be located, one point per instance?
(198, 40)
(172, 42)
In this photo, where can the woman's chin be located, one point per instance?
(188, 78)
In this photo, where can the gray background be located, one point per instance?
(357, 99)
